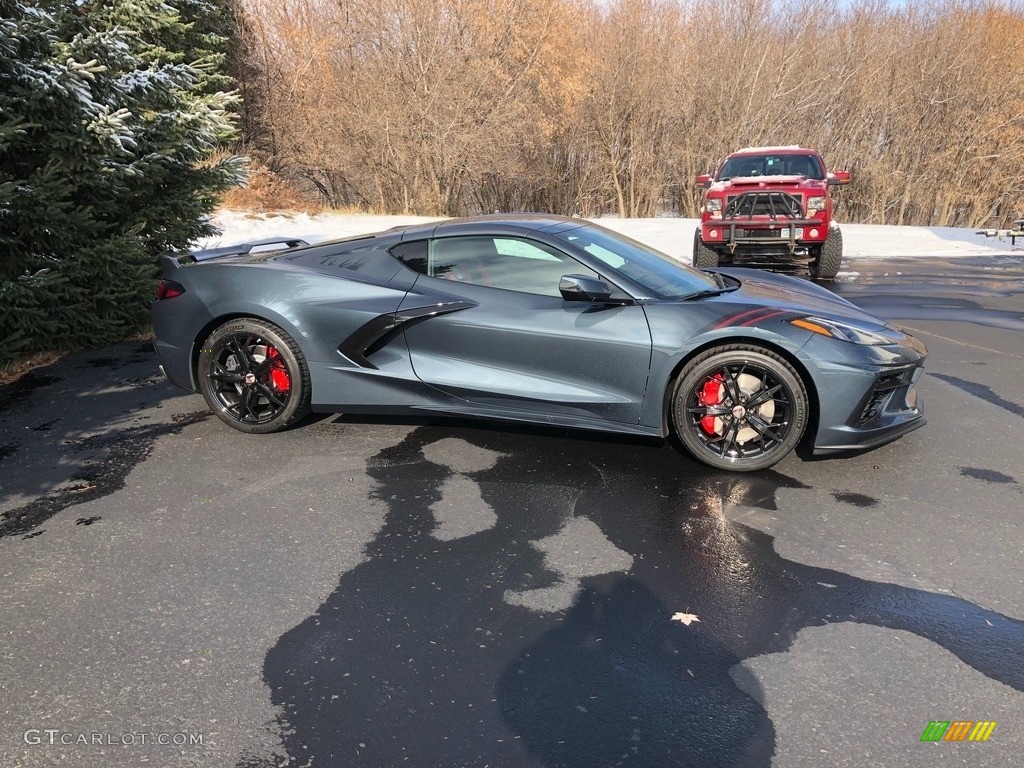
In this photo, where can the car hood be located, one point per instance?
(793, 294)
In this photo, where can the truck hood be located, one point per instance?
(739, 184)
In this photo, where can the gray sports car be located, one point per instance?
(539, 319)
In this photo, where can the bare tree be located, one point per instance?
(574, 106)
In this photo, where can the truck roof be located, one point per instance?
(781, 150)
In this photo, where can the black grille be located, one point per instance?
(881, 393)
(764, 203)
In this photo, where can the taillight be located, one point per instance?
(168, 289)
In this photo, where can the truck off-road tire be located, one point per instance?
(830, 258)
(703, 257)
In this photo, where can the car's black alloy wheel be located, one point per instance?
(254, 376)
(739, 407)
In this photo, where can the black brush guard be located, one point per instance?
(764, 217)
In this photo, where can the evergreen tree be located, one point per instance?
(110, 113)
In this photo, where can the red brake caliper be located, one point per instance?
(712, 393)
(280, 381)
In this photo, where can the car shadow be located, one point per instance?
(544, 635)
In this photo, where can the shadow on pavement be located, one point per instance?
(75, 429)
(426, 655)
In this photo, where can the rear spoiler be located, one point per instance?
(169, 261)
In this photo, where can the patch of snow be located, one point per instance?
(239, 227)
(876, 241)
(781, 148)
(673, 236)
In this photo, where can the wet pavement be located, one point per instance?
(388, 592)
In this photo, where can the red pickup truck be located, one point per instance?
(770, 206)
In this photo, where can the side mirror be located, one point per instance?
(704, 180)
(583, 288)
(838, 178)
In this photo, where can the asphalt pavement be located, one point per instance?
(392, 592)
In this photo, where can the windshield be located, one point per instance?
(771, 165)
(653, 270)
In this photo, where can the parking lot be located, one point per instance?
(382, 592)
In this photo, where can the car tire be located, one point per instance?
(703, 257)
(830, 258)
(739, 407)
(253, 376)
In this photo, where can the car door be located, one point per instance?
(506, 338)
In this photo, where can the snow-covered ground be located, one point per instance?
(671, 235)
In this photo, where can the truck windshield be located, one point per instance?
(744, 166)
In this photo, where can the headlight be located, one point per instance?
(815, 204)
(841, 331)
(713, 205)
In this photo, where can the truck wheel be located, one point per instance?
(830, 258)
(703, 257)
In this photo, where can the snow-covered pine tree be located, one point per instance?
(110, 114)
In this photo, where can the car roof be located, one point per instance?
(496, 223)
(542, 222)
(500, 223)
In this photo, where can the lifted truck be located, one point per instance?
(770, 206)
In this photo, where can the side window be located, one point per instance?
(508, 263)
(412, 254)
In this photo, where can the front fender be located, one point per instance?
(667, 362)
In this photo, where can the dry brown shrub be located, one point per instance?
(267, 191)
